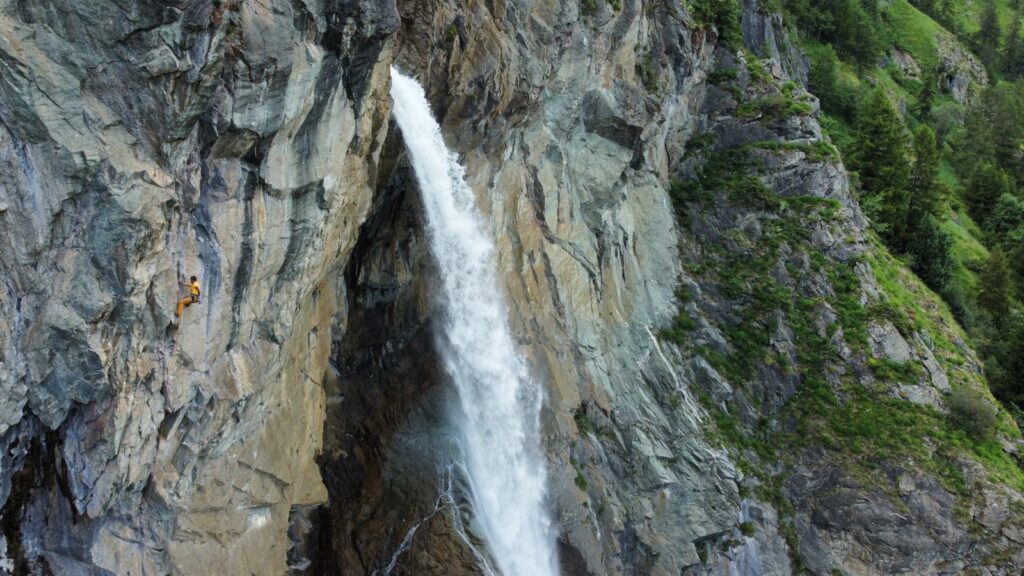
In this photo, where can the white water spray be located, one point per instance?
(500, 403)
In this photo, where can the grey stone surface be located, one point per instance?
(140, 143)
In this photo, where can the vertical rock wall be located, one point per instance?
(140, 143)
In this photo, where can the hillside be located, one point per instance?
(954, 68)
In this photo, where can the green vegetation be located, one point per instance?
(645, 70)
(721, 76)
(700, 142)
(881, 157)
(583, 422)
(723, 15)
(861, 426)
(773, 107)
(813, 151)
(973, 413)
(748, 529)
(581, 480)
(851, 26)
(675, 400)
(941, 182)
(932, 167)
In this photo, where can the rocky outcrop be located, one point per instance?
(647, 186)
(959, 71)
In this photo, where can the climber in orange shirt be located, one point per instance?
(192, 298)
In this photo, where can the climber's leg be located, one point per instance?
(182, 304)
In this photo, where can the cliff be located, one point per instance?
(740, 378)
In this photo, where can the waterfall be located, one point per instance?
(499, 404)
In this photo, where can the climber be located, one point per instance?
(192, 298)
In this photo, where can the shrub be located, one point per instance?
(700, 142)
(723, 75)
(972, 413)
(987, 184)
(724, 15)
(583, 422)
(773, 107)
(647, 73)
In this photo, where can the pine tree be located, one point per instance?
(994, 130)
(1015, 249)
(989, 27)
(996, 287)
(926, 97)
(926, 6)
(931, 250)
(923, 237)
(857, 32)
(987, 184)
(837, 98)
(989, 37)
(1012, 361)
(927, 194)
(881, 159)
(851, 26)
(945, 13)
(1007, 216)
(724, 15)
(1013, 59)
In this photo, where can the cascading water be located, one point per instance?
(500, 403)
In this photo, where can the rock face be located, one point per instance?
(958, 70)
(141, 143)
(295, 420)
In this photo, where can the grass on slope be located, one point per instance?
(969, 254)
(969, 17)
(915, 32)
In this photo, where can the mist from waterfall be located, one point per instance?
(498, 400)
